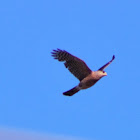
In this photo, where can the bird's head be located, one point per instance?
(101, 73)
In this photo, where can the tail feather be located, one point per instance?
(71, 91)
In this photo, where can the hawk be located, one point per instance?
(80, 70)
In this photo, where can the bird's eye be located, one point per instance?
(103, 71)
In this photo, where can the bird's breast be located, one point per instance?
(87, 82)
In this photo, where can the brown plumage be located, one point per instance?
(75, 65)
(80, 70)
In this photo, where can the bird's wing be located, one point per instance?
(75, 65)
(107, 64)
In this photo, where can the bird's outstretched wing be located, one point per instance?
(107, 64)
(75, 65)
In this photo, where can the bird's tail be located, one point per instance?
(71, 91)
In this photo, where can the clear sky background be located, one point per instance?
(32, 82)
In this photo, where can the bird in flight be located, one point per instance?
(80, 70)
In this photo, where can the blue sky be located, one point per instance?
(32, 82)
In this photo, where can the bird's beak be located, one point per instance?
(105, 74)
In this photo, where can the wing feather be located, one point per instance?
(75, 65)
(107, 64)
